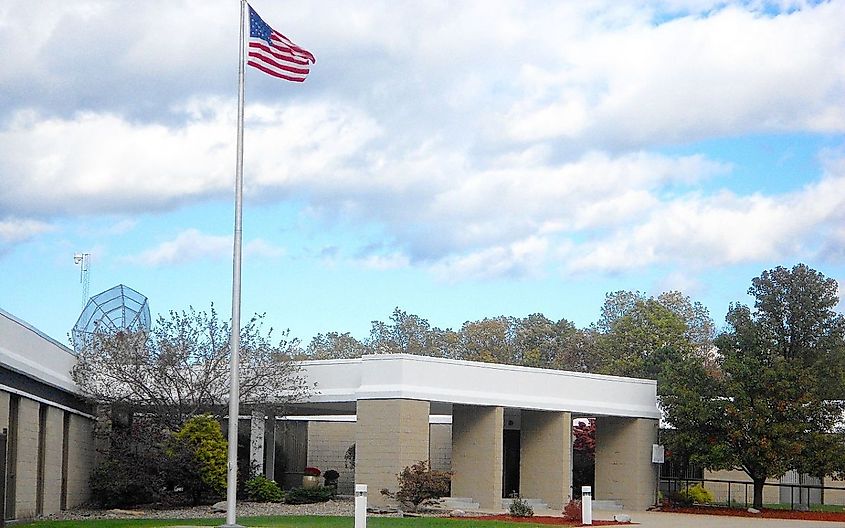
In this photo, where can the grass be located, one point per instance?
(834, 508)
(813, 507)
(289, 521)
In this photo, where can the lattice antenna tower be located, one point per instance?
(83, 260)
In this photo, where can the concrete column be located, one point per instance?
(477, 454)
(256, 441)
(270, 446)
(624, 471)
(545, 457)
(4, 410)
(390, 435)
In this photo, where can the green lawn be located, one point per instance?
(291, 521)
(784, 506)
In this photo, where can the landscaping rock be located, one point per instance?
(130, 513)
(457, 513)
(755, 511)
(622, 518)
(219, 507)
(801, 507)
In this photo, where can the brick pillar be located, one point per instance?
(545, 461)
(26, 466)
(52, 486)
(624, 471)
(390, 435)
(477, 454)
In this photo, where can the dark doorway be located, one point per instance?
(291, 453)
(510, 463)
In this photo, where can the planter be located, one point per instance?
(310, 482)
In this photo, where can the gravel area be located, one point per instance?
(338, 506)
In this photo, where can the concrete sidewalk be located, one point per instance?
(685, 520)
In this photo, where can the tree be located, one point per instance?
(773, 403)
(334, 345)
(489, 340)
(181, 368)
(406, 333)
(638, 336)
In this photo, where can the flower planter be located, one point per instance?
(310, 482)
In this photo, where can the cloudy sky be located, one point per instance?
(457, 159)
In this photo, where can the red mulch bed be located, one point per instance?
(765, 513)
(560, 521)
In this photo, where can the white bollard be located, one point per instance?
(586, 505)
(360, 506)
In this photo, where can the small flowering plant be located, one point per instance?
(311, 472)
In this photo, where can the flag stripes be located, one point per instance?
(275, 54)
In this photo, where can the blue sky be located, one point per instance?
(459, 160)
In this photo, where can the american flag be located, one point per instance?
(274, 54)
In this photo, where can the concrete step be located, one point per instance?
(536, 504)
(607, 505)
(459, 503)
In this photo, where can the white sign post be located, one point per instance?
(586, 505)
(360, 506)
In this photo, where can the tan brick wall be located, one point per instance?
(327, 445)
(440, 447)
(771, 494)
(81, 455)
(836, 496)
(545, 459)
(27, 459)
(624, 471)
(477, 454)
(390, 435)
(53, 461)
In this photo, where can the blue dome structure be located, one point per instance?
(118, 309)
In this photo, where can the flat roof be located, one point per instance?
(339, 382)
(25, 349)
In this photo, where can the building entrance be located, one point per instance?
(510, 463)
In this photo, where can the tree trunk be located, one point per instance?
(758, 492)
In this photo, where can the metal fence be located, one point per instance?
(799, 494)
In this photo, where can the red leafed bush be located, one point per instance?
(585, 438)
(572, 511)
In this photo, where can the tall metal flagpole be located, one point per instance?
(234, 383)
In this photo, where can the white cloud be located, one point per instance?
(191, 245)
(731, 72)
(482, 137)
(523, 257)
(725, 228)
(394, 260)
(16, 230)
(102, 163)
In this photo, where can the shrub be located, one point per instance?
(572, 511)
(697, 494)
(201, 442)
(349, 457)
(520, 508)
(132, 469)
(419, 484)
(262, 489)
(308, 496)
(331, 477)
